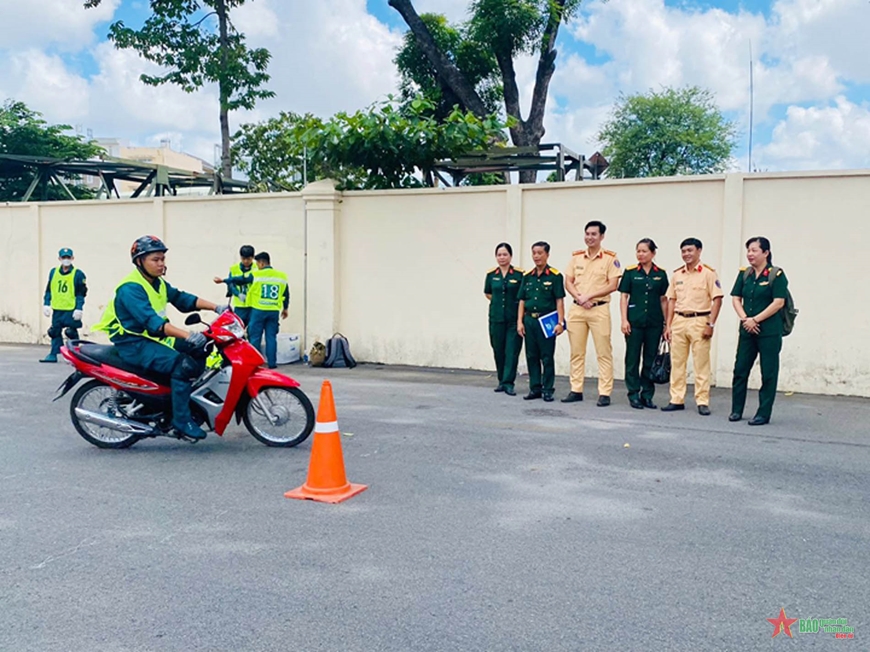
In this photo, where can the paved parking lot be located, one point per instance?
(490, 523)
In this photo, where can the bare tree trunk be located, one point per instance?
(226, 161)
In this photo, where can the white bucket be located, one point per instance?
(288, 348)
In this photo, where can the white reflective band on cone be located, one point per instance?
(332, 426)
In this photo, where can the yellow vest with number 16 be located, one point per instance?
(268, 290)
(63, 292)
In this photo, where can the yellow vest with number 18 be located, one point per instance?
(63, 292)
(157, 298)
(268, 290)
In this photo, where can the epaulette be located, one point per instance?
(517, 269)
(778, 272)
(609, 253)
(633, 267)
(708, 267)
(492, 270)
(683, 267)
(578, 252)
(743, 269)
(529, 272)
(555, 271)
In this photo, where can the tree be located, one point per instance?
(505, 29)
(389, 145)
(178, 37)
(667, 133)
(23, 132)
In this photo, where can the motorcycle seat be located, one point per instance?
(108, 355)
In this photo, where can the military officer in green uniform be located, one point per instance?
(64, 302)
(642, 306)
(758, 296)
(542, 292)
(501, 287)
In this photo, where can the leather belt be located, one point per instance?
(535, 315)
(693, 314)
(594, 305)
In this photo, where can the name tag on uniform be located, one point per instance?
(679, 283)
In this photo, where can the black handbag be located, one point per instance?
(660, 372)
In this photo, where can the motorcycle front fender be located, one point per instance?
(68, 384)
(267, 378)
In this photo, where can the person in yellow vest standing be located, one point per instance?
(239, 292)
(591, 277)
(64, 302)
(268, 296)
(694, 302)
(135, 320)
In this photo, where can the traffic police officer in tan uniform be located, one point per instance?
(590, 278)
(694, 302)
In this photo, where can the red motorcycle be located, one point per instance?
(123, 404)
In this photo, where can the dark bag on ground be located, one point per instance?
(317, 355)
(789, 312)
(338, 352)
(660, 372)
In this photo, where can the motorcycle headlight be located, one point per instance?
(235, 328)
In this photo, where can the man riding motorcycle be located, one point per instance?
(136, 322)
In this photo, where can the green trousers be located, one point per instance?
(540, 356)
(641, 346)
(506, 344)
(750, 347)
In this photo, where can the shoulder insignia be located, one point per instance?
(681, 267)
(492, 270)
(607, 252)
(743, 269)
(529, 272)
(631, 269)
(778, 272)
(578, 252)
(555, 271)
(708, 267)
(517, 269)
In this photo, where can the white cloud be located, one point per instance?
(61, 23)
(455, 10)
(43, 82)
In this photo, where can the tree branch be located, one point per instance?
(546, 68)
(454, 79)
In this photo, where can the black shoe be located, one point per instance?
(500, 388)
(759, 421)
(509, 390)
(647, 403)
(49, 358)
(637, 405)
(573, 397)
(603, 401)
(531, 396)
(735, 416)
(548, 398)
(673, 407)
(704, 410)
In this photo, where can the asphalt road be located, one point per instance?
(490, 523)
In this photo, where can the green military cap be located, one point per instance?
(66, 252)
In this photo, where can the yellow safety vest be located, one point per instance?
(268, 290)
(240, 292)
(63, 291)
(157, 298)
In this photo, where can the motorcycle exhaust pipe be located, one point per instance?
(104, 420)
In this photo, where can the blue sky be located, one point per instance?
(812, 93)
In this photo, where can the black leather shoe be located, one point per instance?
(548, 398)
(704, 410)
(734, 416)
(510, 391)
(647, 403)
(603, 401)
(637, 405)
(531, 396)
(573, 397)
(673, 407)
(500, 388)
(759, 421)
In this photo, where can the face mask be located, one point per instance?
(66, 262)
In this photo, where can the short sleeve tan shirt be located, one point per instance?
(694, 289)
(594, 274)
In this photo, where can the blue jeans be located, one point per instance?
(265, 320)
(244, 314)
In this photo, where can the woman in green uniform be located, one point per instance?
(501, 287)
(642, 305)
(758, 296)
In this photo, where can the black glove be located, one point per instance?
(196, 340)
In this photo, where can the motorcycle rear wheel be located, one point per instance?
(98, 397)
(290, 419)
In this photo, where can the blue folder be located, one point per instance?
(548, 323)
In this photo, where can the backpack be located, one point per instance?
(338, 352)
(789, 312)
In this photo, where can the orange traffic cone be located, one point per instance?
(326, 481)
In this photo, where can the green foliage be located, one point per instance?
(25, 133)
(515, 27)
(667, 133)
(419, 77)
(389, 145)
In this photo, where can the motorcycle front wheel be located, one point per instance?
(280, 416)
(95, 396)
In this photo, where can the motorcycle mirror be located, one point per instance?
(192, 319)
